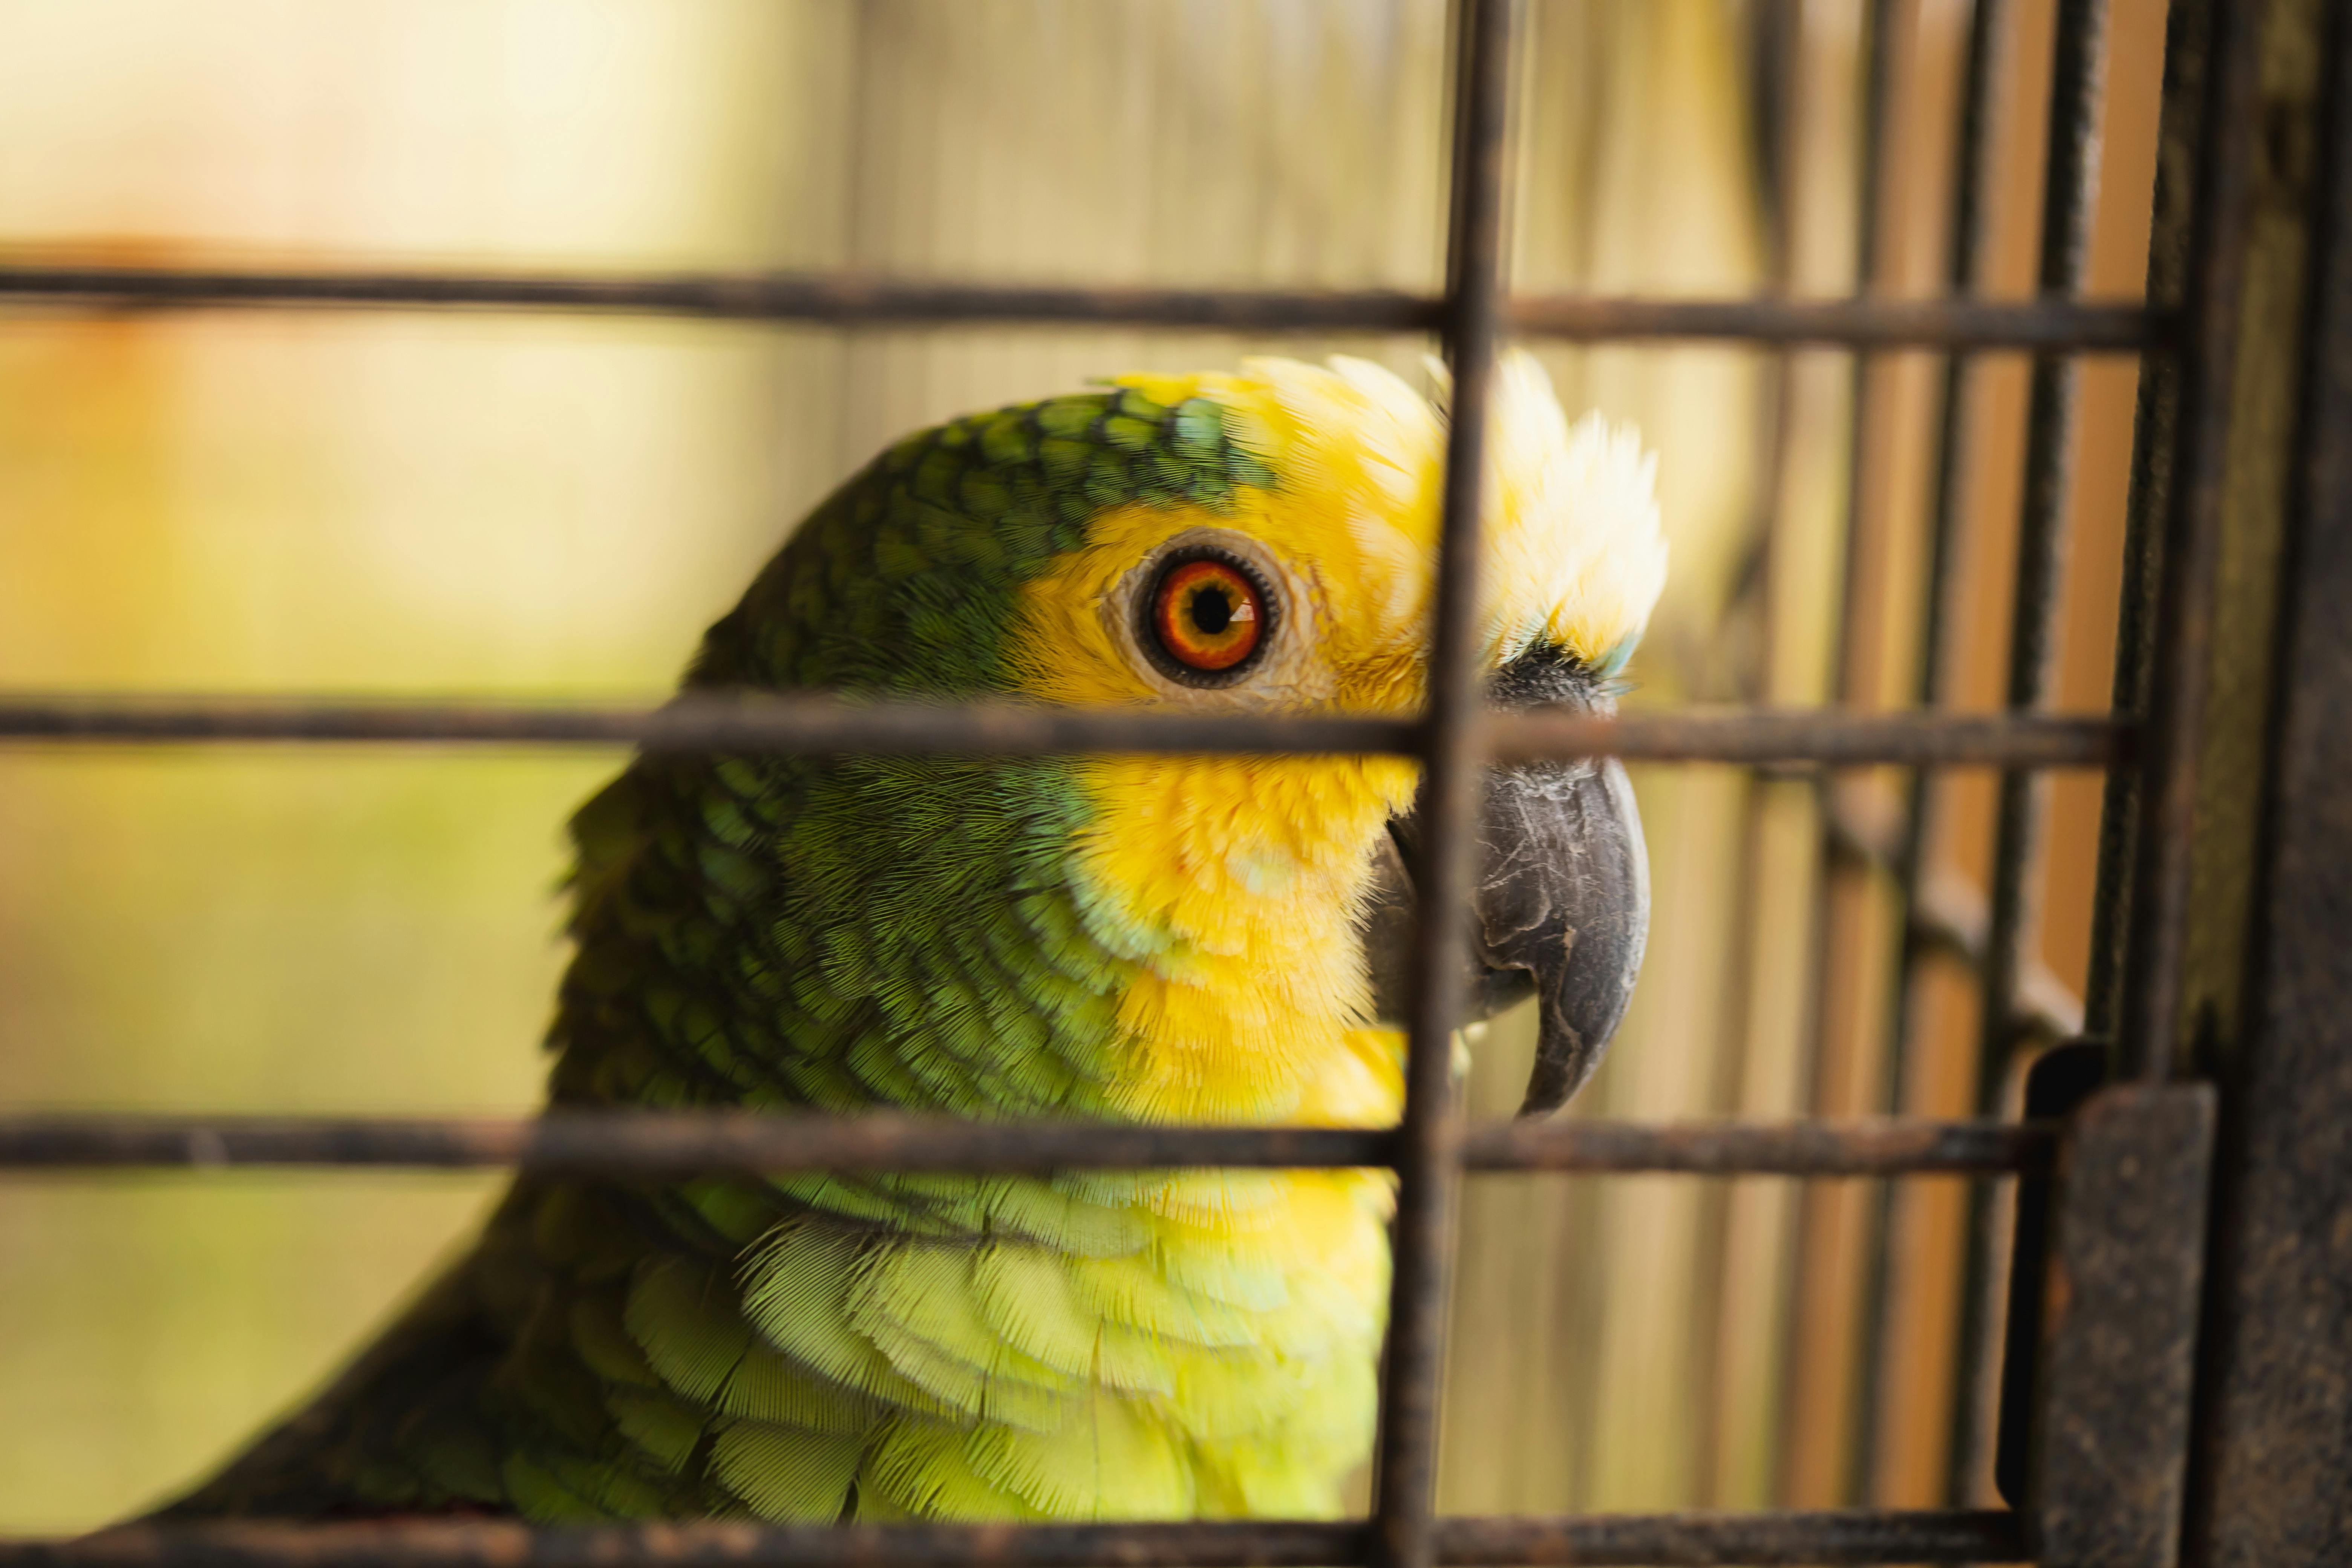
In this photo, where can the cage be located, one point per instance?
(2135, 1385)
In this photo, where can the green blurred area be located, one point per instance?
(480, 505)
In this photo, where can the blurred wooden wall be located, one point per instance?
(478, 503)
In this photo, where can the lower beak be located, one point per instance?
(1562, 912)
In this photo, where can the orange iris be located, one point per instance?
(1208, 615)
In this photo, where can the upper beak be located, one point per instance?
(1562, 911)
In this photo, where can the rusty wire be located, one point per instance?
(657, 1143)
(2082, 327)
(1829, 1536)
(810, 725)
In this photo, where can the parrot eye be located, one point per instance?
(1206, 617)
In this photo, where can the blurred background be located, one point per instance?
(486, 504)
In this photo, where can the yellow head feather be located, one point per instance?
(1573, 551)
(1575, 554)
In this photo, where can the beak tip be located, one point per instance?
(1564, 1061)
(1535, 1110)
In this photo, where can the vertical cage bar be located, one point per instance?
(1930, 678)
(2187, 47)
(2069, 190)
(1780, 82)
(1429, 1169)
(1839, 918)
(1748, 1079)
(2180, 635)
(1870, 173)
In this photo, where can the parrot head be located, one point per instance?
(1262, 541)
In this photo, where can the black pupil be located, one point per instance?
(1212, 610)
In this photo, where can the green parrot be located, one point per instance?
(1183, 939)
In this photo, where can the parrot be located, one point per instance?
(1180, 939)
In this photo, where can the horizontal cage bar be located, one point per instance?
(817, 725)
(2113, 327)
(652, 1143)
(2080, 326)
(1827, 1536)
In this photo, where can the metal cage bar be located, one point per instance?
(1844, 876)
(1846, 1536)
(1929, 680)
(2069, 184)
(1781, 82)
(668, 1143)
(1429, 1165)
(2220, 217)
(1930, 684)
(850, 300)
(801, 726)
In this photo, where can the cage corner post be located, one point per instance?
(2268, 1476)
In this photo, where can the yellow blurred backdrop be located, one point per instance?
(479, 504)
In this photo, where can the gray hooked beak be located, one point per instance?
(1563, 903)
